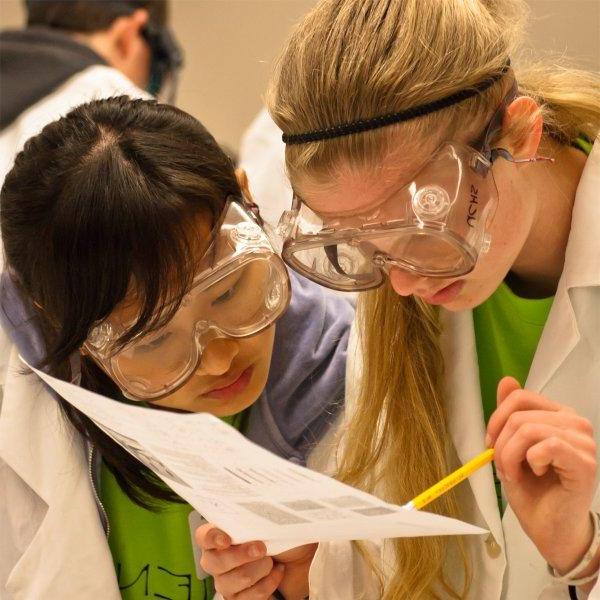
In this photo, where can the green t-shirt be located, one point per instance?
(152, 551)
(507, 332)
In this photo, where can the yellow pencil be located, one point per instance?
(441, 487)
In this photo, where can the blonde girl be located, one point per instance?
(462, 193)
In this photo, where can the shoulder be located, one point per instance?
(93, 83)
(315, 327)
(306, 386)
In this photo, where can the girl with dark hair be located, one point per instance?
(136, 264)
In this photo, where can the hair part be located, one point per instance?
(111, 194)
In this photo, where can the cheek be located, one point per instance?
(508, 231)
(259, 348)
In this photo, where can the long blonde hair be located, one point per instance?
(353, 59)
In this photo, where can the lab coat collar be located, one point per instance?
(68, 556)
(465, 411)
(581, 269)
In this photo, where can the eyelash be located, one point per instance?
(227, 295)
(156, 342)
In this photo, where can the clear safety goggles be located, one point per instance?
(242, 289)
(435, 226)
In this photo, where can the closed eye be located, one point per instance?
(155, 343)
(227, 295)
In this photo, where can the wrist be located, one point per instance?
(584, 573)
(567, 554)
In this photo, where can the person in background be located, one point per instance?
(262, 156)
(71, 52)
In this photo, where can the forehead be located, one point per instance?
(352, 187)
(200, 228)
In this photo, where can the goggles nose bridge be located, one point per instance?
(204, 333)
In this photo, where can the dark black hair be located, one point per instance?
(104, 197)
(91, 15)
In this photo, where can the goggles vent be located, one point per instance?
(100, 335)
(247, 233)
(431, 203)
(486, 243)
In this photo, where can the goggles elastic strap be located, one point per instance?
(362, 125)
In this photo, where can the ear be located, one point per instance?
(522, 127)
(125, 31)
(242, 178)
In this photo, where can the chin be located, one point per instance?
(466, 302)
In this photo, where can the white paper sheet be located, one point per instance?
(244, 489)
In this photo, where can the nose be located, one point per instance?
(405, 283)
(218, 356)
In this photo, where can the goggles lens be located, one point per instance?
(434, 226)
(245, 292)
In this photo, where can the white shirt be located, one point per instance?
(262, 156)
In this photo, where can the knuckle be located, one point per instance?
(528, 430)
(205, 563)
(554, 443)
(519, 397)
(592, 464)
(513, 421)
(585, 426)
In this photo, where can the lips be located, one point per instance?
(232, 387)
(446, 294)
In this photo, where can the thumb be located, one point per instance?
(506, 386)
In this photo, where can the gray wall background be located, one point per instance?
(231, 44)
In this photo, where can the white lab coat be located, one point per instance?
(262, 156)
(53, 544)
(566, 368)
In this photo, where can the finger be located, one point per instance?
(244, 577)
(570, 462)
(560, 419)
(264, 589)
(209, 537)
(513, 455)
(217, 562)
(516, 401)
(506, 386)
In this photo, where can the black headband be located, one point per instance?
(389, 119)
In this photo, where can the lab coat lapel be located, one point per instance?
(465, 410)
(581, 269)
(559, 338)
(68, 556)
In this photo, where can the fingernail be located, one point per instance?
(500, 474)
(254, 552)
(488, 440)
(221, 540)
